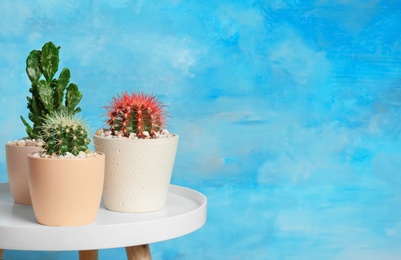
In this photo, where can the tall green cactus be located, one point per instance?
(48, 93)
(62, 133)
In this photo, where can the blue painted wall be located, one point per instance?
(288, 113)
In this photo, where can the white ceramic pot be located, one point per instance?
(138, 172)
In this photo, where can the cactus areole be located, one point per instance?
(49, 94)
(137, 113)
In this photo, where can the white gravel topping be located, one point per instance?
(26, 142)
(107, 133)
(80, 155)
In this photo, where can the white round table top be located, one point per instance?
(184, 213)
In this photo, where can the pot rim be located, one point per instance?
(66, 159)
(174, 136)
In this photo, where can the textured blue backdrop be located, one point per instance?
(288, 113)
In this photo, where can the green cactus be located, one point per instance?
(48, 93)
(135, 113)
(61, 132)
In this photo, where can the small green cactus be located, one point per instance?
(62, 133)
(48, 93)
(135, 113)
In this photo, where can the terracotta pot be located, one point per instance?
(138, 172)
(17, 170)
(66, 192)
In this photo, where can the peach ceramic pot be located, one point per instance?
(138, 172)
(66, 192)
(17, 170)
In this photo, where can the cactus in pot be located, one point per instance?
(62, 133)
(140, 153)
(48, 94)
(136, 113)
(66, 180)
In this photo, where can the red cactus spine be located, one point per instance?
(135, 113)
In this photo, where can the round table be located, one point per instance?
(184, 213)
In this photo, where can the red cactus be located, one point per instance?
(135, 113)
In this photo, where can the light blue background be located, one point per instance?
(288, 113)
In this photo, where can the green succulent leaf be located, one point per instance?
(73, 97)
(32, 66)
(61, 85)
(29, 104)
(77, 110)
(49, 60)
(29, 130)
(63, 79)
(35, 115)
(45, 95)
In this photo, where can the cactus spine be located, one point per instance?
(48, 93)
(135, 113)
(62, 133)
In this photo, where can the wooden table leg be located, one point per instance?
(141, 252)
(1, 253)
(88, 255)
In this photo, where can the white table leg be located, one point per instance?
(141, 252)
(88, 255)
